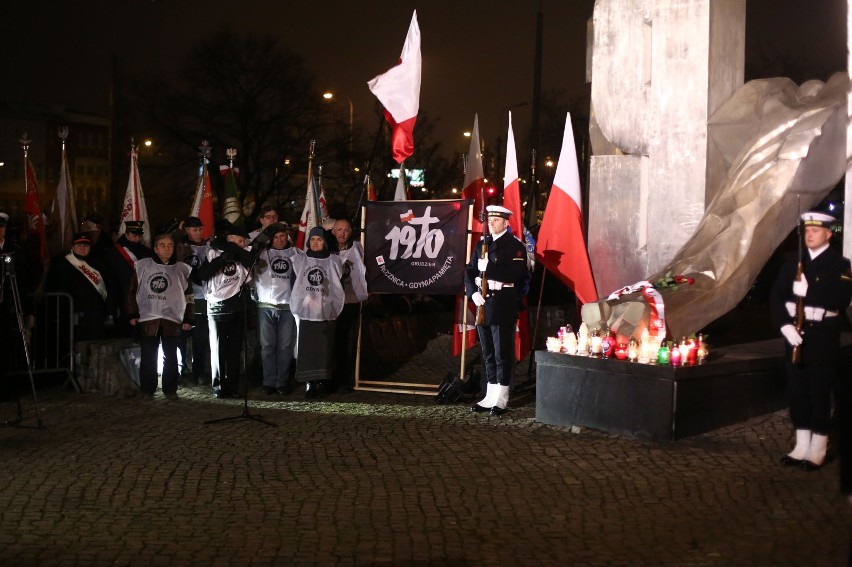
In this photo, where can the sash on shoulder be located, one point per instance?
(92, 275)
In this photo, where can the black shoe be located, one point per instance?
(268, 390)
(285, 390)
(219, 394)
(789, 461)
(498, 411)
(810, 466)
(321, 387)
(311, 390)
(476, 408)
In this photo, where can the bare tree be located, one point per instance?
(246, 92)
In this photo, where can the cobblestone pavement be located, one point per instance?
(387, 479)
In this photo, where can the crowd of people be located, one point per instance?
(187, 298)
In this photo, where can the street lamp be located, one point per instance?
(328, 95)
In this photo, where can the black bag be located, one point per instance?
(451, 390)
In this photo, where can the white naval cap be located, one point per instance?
(498, 211)
(818, 219)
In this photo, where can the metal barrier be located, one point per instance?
(51, 337)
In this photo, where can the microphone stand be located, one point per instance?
(245, 413)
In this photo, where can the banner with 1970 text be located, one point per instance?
(416, 246)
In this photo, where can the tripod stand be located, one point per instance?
(7, 274)
(245, 413)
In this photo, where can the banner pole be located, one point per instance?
(360, 312)
(464, 293)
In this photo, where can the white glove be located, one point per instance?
(479, 301)
(800, 286)
(792, 335)
(481, 264)
(478, 281)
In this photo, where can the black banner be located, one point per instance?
(416, 246)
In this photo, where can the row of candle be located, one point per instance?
(646, 350)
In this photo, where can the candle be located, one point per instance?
(663, 354)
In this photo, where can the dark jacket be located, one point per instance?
(829, 288)
(506, 264)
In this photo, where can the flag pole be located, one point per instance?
(464, 295)
(530, 214)
(317, 190)
(314, 194)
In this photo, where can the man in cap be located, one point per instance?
(226, 270)
(825, 288)
(83, 278)
(121, 261)
(191, 248)
(502, 267)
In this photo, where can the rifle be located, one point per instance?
(483, 283)
(796, 357)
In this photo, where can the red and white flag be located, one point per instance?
(311, 217)
(35, 220)
(474, 182)
(561, 246)
(473, 187)
(134, 208)
(64, 213)
(398, 90)
(202, 205)
(512, 201)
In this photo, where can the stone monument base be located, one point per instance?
(662, 403)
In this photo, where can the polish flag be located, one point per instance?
(134, 208)
(474, 182)
(398, 90)
(202, 205)
(512, 201)
(561, 246)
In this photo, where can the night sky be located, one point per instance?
(477, 54)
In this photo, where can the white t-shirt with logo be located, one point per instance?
(317, 293)
(160, 294)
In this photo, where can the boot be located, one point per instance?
(815, 457)
(502, 401)
(487, 402)
(803, 441)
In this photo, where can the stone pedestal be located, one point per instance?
(662, 403)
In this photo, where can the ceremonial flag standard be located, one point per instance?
(63, 212)
(311, 217)
(232, 211)
(134, 208)
(35, 220)
(561, 245)
(512, 201)
(202, 205)
(398, 90)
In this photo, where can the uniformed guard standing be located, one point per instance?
(826, 289)
(503, 267)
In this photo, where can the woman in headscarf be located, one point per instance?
(316, 301)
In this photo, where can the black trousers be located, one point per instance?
(150, 347)
(346, 345)
(809, 395)
(226, 344)
(497, 343)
